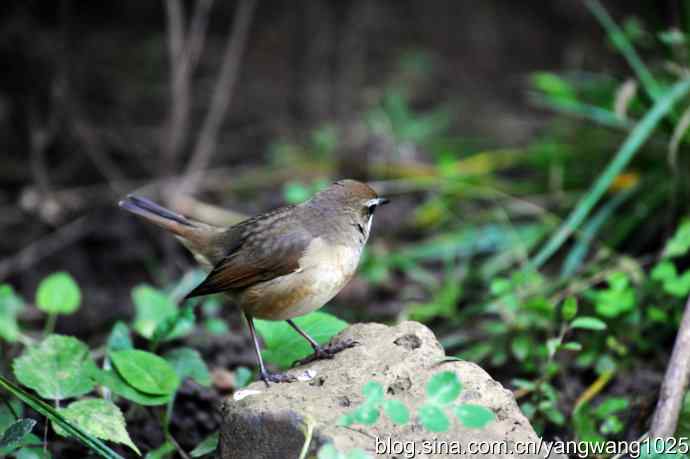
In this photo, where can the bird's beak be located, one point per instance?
(382, 201)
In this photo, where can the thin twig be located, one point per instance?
(675, 381)
(222, 95)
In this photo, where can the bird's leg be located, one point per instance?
(265, 375)
(320, 352)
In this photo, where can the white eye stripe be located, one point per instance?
(373, 202)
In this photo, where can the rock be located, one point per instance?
(261, 422)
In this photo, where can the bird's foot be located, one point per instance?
(267, 377)
(327, 352)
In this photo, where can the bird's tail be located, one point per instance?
(159, 215)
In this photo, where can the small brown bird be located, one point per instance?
(281, 264)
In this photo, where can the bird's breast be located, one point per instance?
(324, 270)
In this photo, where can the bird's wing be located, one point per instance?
(259, 249)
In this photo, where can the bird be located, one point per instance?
(281, 264)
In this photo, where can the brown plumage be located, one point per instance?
(283, 263)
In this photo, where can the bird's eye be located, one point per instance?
(369, 210)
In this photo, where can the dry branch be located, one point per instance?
(221, 97)
(675, 382)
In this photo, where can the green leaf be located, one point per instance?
(152, 307)
(637, 137)
(373, 392)
(165, 450)
(329, 451)
(588, 323)
(207, 446)
(48, 411)
(396, 411)
(357, 453)
(520, 347)
(433, 418)
(32, 449)
(178, 325)
(569, 310)
(188, 363)
(366, 413)
(119, 338)
(611, 406)
(13, 436)
(10, 306)
(283, 345)
(145, 371)
(57, 368)
(295, 192)
(58, 294)
(474, 416)
(100, 418)
(572, 346)
(7, 415)
(113, 381)
(679, 244)
(243, 376)
(443, 387)
(552, 345)
(554, 86)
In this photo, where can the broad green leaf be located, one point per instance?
(373, 392)
(145, 371)
(357, 453)
(396, 411)
(474, 416)
(100, 418)
(433, 418)
(57, 368)
(58, 294)
(283, 345)
(152, 308)
(56, 418)
(443, 387)
(188, 363)
(207, 446)
(13, 436)
(119, 338)
(165, 450)
(113, 381)
(10, 306)
(588, 323)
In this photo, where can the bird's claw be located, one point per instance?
(328, 352)
(267, 377)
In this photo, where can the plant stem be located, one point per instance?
(50, 324)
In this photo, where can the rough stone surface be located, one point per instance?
(270, 423)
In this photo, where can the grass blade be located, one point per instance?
(621, 42)
(48, 411)
(578, 253)
(637, 137)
